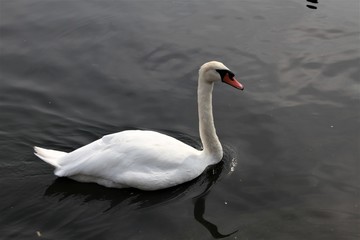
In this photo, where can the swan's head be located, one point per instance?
(217, 72)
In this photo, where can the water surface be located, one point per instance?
(73, 71)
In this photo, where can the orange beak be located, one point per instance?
(232, 82)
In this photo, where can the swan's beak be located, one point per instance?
(232, 82)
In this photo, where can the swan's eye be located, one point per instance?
(223, 73)
(231, 75)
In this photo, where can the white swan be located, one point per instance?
(147, 160)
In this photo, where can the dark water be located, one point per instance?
(72, 71)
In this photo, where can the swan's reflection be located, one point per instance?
(199, 211)
(197, 189)
(199, 208)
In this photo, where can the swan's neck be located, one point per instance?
(210, 141)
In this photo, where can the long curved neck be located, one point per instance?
(211, 144)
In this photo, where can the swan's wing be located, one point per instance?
(132, 158)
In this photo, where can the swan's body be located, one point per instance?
(135, 158)
(147, 160)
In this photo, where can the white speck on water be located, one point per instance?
(332, 126)
(38, 233)
(233, 165)
(225, 203)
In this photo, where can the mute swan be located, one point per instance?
(147, 160)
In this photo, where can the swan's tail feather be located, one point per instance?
(52, 157)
